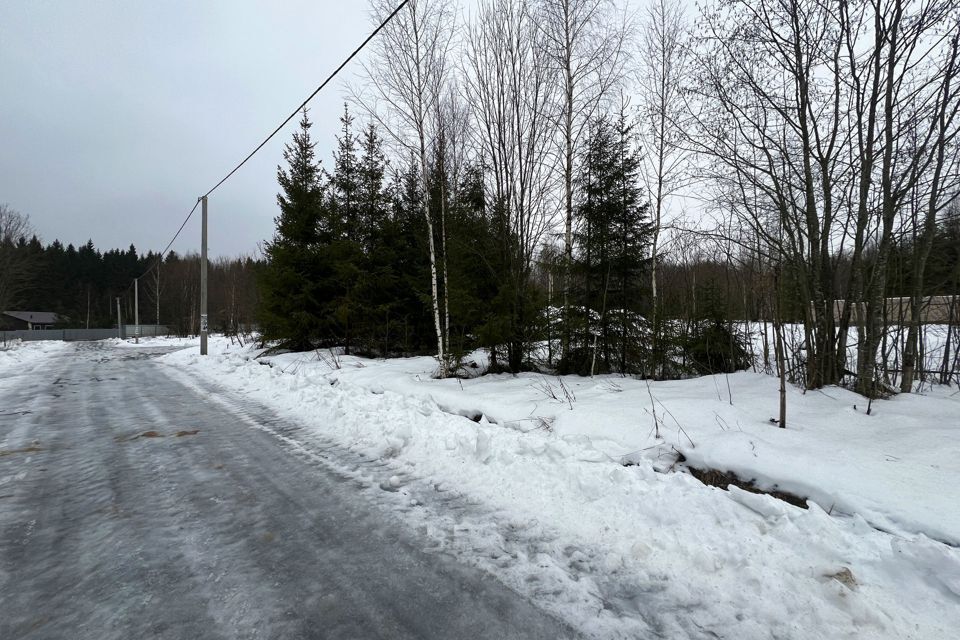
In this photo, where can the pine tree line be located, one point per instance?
(81, 286)
(349, 263)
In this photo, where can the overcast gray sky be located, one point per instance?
(116, 114)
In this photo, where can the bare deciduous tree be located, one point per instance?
(407, 78)
(661, 72)
(769, 125)
(511, 87)
(818, 121)
(585, 44)
(933, 189)
(14, 265)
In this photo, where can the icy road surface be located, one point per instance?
(133, 506)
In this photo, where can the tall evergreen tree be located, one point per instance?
(294, 279)
(372, 199)
(471, 244)
(376, 287)
(344, 182)
(345, 249)
(405, 242)
(612, 241)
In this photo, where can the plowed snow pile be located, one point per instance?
(617, 538)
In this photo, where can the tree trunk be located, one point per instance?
(441, 355)
(778, 349)
(568, 203)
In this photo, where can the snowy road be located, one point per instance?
(221, 531)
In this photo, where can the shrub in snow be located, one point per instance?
(713, 348)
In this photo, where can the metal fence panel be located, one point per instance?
(146, 330)
(75, 335)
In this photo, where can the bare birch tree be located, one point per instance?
(661, 72)
(407, 76)
(585, 44)
(511, 87)
(452, 153)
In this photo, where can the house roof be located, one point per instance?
(36, 317)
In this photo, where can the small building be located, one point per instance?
(29, 320)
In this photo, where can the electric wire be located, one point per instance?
(290, 117)
(160, 256)
(311, 96)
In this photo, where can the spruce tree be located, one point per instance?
(294, 280)
(345, 179)
(471, 243)
(376, 288)
(405, 245)
(612, 240)
(345, 249)
(372, 199)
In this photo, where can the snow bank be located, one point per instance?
(899, 468)
(627, 551)
(156, 341)
(18, 357)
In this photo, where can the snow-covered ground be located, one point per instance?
(624, 551)
(151, 342)
(17, 358)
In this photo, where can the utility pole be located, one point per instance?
(136, 309)
(203, 278)
(119, 326)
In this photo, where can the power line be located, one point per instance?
(274, 132)
(159, 258)
(310, 97)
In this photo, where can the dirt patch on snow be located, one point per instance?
(154, 434)
(845, 577)
(10, 452)
(724, 479)
(145, 434)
